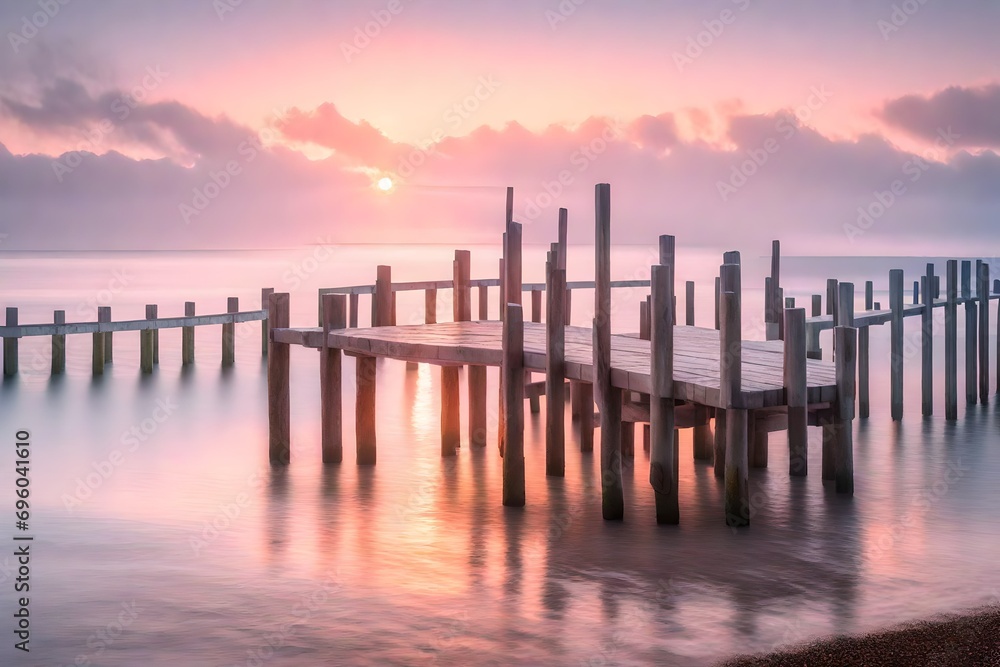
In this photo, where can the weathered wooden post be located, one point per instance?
(721, 431)
(813, 350)
(513, 404)
(970, 334)
(831, 297)
(187, 333)
(777, 316)
(382, 299)
(512, 280)
(609, 398)
(796, 391)
(689, 303)
(103, 315)
(737, 502)
(663, 455)
(951, 342)
(757, 440)
(109, 351)
(451, 426)
(58, 344)
(265, 324)
(846, 364)
(555, 367)
(484, 302)
(229, 333)
(461, 286)
(10, 345)
(996, 290)
(151, 314)
(896, 343)
(278, 397)
(365, 371)
(983, 275)
(331, 380)
(146, 340)
(845, 305)
(927, 343)
(352, 320)
(916, 292)
(863, 355)
(430, 305)
(717, 290)
(769, 329)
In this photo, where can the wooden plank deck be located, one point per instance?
(696, 357)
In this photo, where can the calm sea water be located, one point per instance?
(162, 535)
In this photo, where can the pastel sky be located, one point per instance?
(859, 127)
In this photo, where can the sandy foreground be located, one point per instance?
(970, 639)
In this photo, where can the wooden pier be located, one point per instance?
(149, 349)
(667, 376)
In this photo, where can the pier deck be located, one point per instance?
(696, 357)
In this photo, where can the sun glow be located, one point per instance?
(384, 184)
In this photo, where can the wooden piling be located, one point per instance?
(187, 333)
(984, 331)
(689, 303)
(846, 365)
(795, 381)
(59, 345)
(265, 324)
(916, 292)
(609, 399)
(229, 333)
(352, 317)
(461, 287)
(555, 369)
(146, 343)
(896, 343)
(484, 302)
(382, 299)
(951, 342)
(927, 343)
(451, 427)
(828, 424)
(717, 288)
(777, 315)
(430, 305)
(151, 314)
(733, 285)
(109, 351)
(737, 504)
(831, 297)
(331, 380)
(813, 350)
(756, 440)
(864, 400)
(10, 345)
(513, 403)
(663, 455)
(971, 331)
(585, 400)
(364, 409)
(97, 367)
(278, 397)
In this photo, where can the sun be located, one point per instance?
(384, 184)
